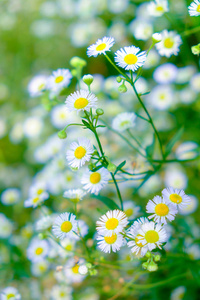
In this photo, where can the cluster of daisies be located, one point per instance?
(143, 235)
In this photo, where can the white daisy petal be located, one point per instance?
(101, 46)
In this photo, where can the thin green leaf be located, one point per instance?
(120, 166)
(173, 141)
(107, 201)
(150, 148)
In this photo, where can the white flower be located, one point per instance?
(187, 150)
(194, 8)
(61, 292)
(44, 223)
(37, 85)
(34, 201)
(101, 46)
(156, 37)
(161, 210)
(93, 182)
(165, 73)
(175, 177)
(152, 235)
(74, 195)
(131, 210)
(10, 293)
(71, 270)
(10, 196)
(79, 153)
(170, 43)
(136, 246)
(32, 127)
(37, 250)
(60, 117)
(6, 227)
(81, 100)
(59, 79)
(191, 207)
(142, 30)
(68, 244)
(39, 189)
(178, 293)
(124, 121)
(110, 243)
(64, 225)
(195, 82)
(129, 58)
(39, 268)
(176, 197)
(114, 221)
(161, 97)
(158, 7)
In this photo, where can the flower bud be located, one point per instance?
(145, 265)
(83, 270)
(111, 167)
(91, 166)
(77, 62)
(62, 134)
(196, 49)
(99, 111)
(157, 257)
(152, 267)
(122, 88)
(148, 254)
(119, 79)
(88, 79)
(156, 38)
(74, 72)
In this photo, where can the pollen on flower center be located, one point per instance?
(10, 296)
(125, 123)
(161, 209)
(40, 191)
(95, 177)
(75, 269)
(137, 241)
(66, 226)
(36, 199)
(168, 43)
(110, 239)
(198, 8)
(112, 223)
(159, 8)
(59, 79)
(101, 47)
(80, 152)
(129, 212)
(62, 294)
(130, 59)
(175, 198)
(151, 236)
(162, 96)
(39, 251)
(68, 247)
(80, 103)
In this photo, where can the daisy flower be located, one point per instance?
(110, 243)
(131, 210)
(37, 85)
(81, 100)
(74, 195)
(101, 46)
(129, 58)
(61, 292)
(194, 8)
(152, 235)
(10, 196)
(71, 270)
(165, 73)
(191, 207)
(59, 79)
(39, 268)
(34, 201)
(170, 43)
(124, 121)
(176, 197)
(37, 250)
(136, 246)
(39, 189)
(10, 293)
(158, 7)
(161, 210)
(93, 182)
(79, 153)
(64, 225)
(114, 221)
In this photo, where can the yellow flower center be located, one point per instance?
(10, 296)
(161, 209)
(62, 294)
(151, 236)
(75, 269)
(95, 178)
(137, 241)
(175, 198)
(101, 47)
(124, 123)
(80, 152)
(35, 200)
(41, 86)
(42, 268)
(68, 247)
(130, 59)
(66, 226)
(198, 8)
(168, 43)
(162, 96)
(112, 223)
(81, 103)
(159, 8)
(129, 212)
(40, 191)
(59, 79)
(39, 251)
(110, 239)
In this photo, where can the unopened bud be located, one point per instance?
(122, 88)
(74, 72)
(88, 79)
(99, 111)
(156, 38)
(148, 254)
(111, 167)
(145, 265)
(119, 79)
(157, 257)
(62, 134)
(196, 49)
(91, 166)
(152, 267)
(77, 62)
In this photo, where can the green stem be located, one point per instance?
(134, 138)
(190, 31)
(118, 191)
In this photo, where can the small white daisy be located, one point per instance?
(110, 243)
(61, 292)
(114, 221)
(59, 79)
(74, 195)
(81, 100)
(101, 46)
(37, 250)
(71, 270)
(60, 117)
(39, 189)
(93, 182)
(161, 97)
(136, 246)
(10, 196)
(161, 210)
(152, 235)
(129, 58)
(44, 223)
(194, 8)
(34, 201)
(79, 153)
(10, 293)
(131, 210)
(39, 268)
(124, 121)
(37, 85)
(64, 225)
(165, 73)
(170, 43)
(176, 197)
(158, 7)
